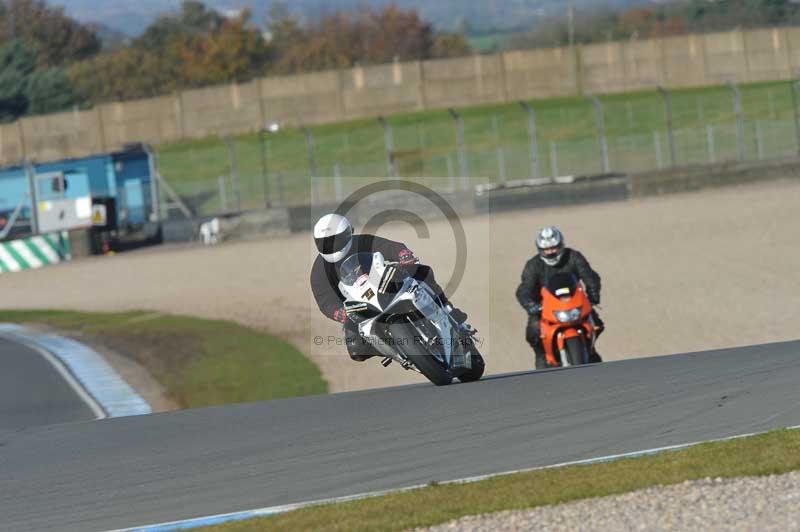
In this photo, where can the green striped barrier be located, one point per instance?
(34, 252)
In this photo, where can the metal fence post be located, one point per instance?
(155, 192)
(737, 109)
(668, 115)
(388, 139)
(234, 170)
(223, 197)
(462, 154)
(281, 190)
(657, 144)
(533, 139)
(274, 127)
(337, 182)
(312, 164)
(712, 155)
(501, 156)
(33, 193)
(451, 173)
(554, 159)
(793, 85)
(601, 130)
(264, 174)
(759, 141)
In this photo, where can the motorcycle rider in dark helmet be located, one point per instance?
(335, 241)
(554, 257)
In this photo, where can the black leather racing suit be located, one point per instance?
(536, 274)
(325, 285)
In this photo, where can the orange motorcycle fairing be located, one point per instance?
(554, 333)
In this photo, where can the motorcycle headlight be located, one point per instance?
(568, 316)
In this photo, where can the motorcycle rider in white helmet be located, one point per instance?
(335, 241)
(554, 257)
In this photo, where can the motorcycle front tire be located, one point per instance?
(478, 367)
(577, 353)
(407, 339)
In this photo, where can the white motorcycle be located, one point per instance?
(405, 322)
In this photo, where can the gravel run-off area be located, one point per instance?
(764, 504)
(680, 273)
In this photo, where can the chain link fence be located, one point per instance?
(492, 144)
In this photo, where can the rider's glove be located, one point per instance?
(340, 315)
(406, 257)
(534, 308)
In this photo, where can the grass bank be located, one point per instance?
(771, 453)
(199, 362)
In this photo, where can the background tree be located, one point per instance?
(49, 91)
(194, 21)
(57, 38)
(26, 89)
(17, 63)
(368, 36)
(122, 75)
(450, 45)
(236, 51)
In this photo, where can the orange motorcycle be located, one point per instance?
(568, 330)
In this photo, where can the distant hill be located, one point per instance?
(476, 16)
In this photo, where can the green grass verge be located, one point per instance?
(199, 362)
(770, 453)
(425, 143)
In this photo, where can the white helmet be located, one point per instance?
(550, 244)
(333, 236)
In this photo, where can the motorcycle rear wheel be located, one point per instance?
(409, 344)
(577, 353)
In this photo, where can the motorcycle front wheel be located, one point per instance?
(478, 366)
(576, 351)
(408, 342)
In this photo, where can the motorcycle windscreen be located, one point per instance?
(354, 267)
(562, 285)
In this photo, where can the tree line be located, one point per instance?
(674, 17)
(50, 62)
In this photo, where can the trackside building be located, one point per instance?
(104, 200)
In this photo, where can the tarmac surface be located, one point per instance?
(32, 392)
(142, 470)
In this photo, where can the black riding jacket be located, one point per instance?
(537, 273)
(325, 276)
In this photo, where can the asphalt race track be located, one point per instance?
(33, 393)
(141, 470)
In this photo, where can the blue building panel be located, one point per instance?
(124, 176)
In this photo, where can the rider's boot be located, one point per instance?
(594, 357)
(541, 361)
(456, 313)
(459, 315)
